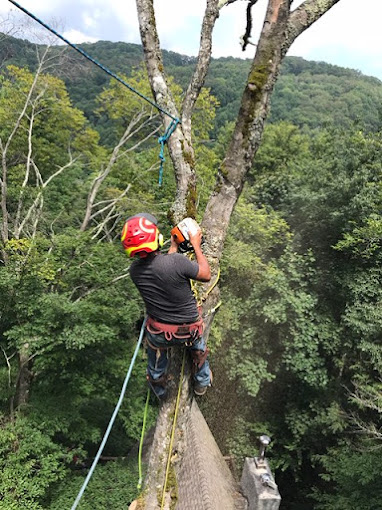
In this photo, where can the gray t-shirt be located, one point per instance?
(163, 281)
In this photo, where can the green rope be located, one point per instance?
(139, 486)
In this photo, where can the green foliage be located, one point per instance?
(313, 94)
(30, 461)
(363, 241)
(352, 478)
(70, 315)
(301, 279)
(57, 125)
(114, 485)
(300, 319)
(316, 94)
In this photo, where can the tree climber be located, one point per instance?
(163, 281)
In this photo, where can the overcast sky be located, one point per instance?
(348, 35)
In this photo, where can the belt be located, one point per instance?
(180, 331)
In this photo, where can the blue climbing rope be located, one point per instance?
(163, 140)
(112, 419)
(175, 121)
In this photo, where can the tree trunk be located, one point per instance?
(160, 448)
(24, 378)
(281, 27)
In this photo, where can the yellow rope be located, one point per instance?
(214, 284)
(173, 430)
(139, 486)
(193, 288)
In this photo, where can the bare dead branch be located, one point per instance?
(112, 204)
(248, 30)
(369, 398)
(7, 360)
(368, 429)
(129, 131)
(107, 284)
(102, 225)
(210, 16)
(38, 201)
(5, 148)
(26, 177)
(61, 169)
(135, 125)
(138, 144)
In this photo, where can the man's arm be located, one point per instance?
(204, 273)
(174, 246)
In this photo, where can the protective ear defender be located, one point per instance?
(160, 240)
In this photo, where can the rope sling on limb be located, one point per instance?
(174, 120)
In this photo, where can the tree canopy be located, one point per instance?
(296, 345)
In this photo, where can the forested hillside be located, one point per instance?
(296, 345)
(313, 94)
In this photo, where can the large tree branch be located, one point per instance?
(304, 16)
(249, 126)
(179, 145)
(203, 61)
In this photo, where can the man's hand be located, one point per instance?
(195, 239)
(174, 246)
(204, 273)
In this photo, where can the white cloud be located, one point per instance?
(89, 22)
(350, 28)
(77, 37)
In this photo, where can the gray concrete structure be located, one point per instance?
(258, 485)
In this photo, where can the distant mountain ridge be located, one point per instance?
(307, 93)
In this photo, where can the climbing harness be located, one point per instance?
(173, 431)
(112, 419)
(177, 331)
(174, 120)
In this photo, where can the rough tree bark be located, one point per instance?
(281, 27)
(180, 143)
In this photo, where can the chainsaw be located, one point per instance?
(181, 233)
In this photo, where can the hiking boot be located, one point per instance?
(200, 390)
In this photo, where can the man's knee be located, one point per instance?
(199, 357)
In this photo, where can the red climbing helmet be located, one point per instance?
(140, 235)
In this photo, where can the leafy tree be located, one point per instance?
(30, 461)
(68, 320)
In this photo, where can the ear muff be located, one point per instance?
(160, 240)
